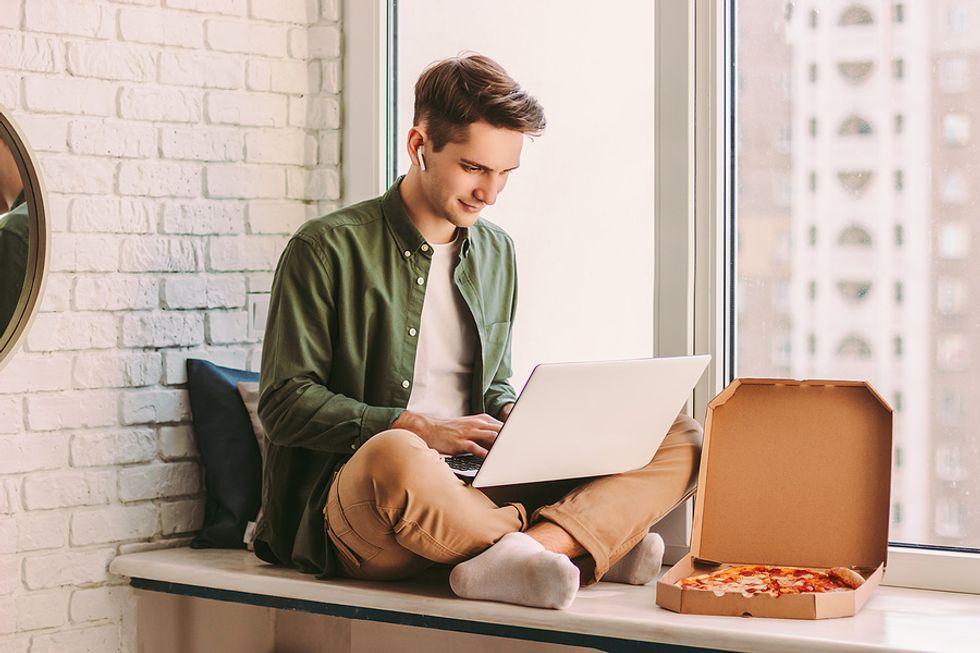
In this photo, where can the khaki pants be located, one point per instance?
(395, 508)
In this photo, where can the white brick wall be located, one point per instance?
(181, 142)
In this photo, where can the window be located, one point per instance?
(899, 235)
(954, 75)
(854, 235)
(951, 407)
(855, 126)
(897, 345)
(951, 296)
(954, 187)
(899, 180)
(855, 181)
(956, 129)
(950, 518)
(952, 353)
(855, 71)
(899, 292)
(813, 73)
(948, 467)
(898, 12)
(854, 347)
(856, 15)
(814, 18)
(954, 241)
(813, 127)
(813, 235)
(854, 291)
(957, 20)
(899, 123)
(898, 68)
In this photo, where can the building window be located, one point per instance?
(957, 20)
(854, 347)
(899, 235)
(813, 182)
(811, 344)
(953, 352)
(956, 129)
(813, 235)
(899, 456)
(955, 189)
(896, 507)
(854, 291)
(898, 68)
(899, 180)
(813, 292)
(948, 466)
(855, 181)
(856, 15)
(897, 345)
(855, 126)
(954, 241)
(899, 120)
(951, 408)
(950, 518)
(813, 127)
(813, 73)
(951, 296)
(855, 71)
(954, 75)
(814, 19)
(899, 400)
(898, 12)
(899, 292)
(854, 235)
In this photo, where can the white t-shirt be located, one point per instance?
(447, 342)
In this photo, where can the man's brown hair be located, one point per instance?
(456, 92)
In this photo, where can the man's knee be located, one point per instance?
(392, 455)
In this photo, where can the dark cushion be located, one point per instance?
(229, 453)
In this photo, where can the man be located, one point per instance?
(388, 343)
(14, 235)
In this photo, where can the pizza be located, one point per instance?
(749, 580)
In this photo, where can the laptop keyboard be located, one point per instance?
(466, 462)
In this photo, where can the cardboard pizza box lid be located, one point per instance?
(795, 473)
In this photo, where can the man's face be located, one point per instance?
(464, 177)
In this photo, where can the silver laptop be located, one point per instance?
(575, 420)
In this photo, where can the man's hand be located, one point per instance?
(472, 434)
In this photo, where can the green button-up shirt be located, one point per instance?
(338, 357)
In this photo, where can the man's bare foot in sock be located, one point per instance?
(517, 569)
(641, 564)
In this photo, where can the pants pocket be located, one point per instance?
(352, 549)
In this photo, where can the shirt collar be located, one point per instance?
(406, 235)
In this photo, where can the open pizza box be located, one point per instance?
(795, 474)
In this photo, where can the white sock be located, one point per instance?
(518, 569)
(641, 564)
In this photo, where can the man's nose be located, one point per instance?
(487, 191)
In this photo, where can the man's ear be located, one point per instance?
(416, 138)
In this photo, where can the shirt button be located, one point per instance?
(420, 280)
(405, 383)
(353, 446)
(407, 253)
(425, 248)
(412, 331)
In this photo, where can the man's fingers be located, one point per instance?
(475, 449)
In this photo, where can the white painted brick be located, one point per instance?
(324, 42)
(155, 406)
(175, 361)
(275, 217)
(10, 576)
(35, 373)
(20, 454)
(330, 9)
(9, 90)
(204, 217)
(66, 489)
(117, 369)
(201, 143)
(8, 535)
(246, 109)
(315, 112)
(255, 359)
(237, 181)
(61, 331)
(329, 149)
(319, 184)
(65, 95)
(70, 17)
(177, 442)
(228, 327)
(11, 15)
(111, 61)
(290, 146)
(116, 292)
(113, 215)
(247, 37)
(161, 27)
(208, 70)
(161, 254)
(286, 11)
(41, 529)
(58, 211)
(233, 253)
(77, 174)
(164, 104)
(182, 516)
(331, 77)
(229, 7)
(113, 138)
(299, 47)
(27, 52)
(173, 329)
(14, 644)
(105, 525)
(185, 291)
(114, 447)
(159, 179)
(45, 609)
(98, 603)
(75, 410)
(57, 293)
(260, 282)
(225, 291)
(96, 253)
(96, 639)
(11, 415)
(281, 76)
(158, 481)
(8, 616)
(44, 133)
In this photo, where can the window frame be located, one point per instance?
(695, 230)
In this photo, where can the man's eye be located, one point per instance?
(471, 168)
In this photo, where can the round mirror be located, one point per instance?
(23, 236)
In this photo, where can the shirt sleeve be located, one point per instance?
(501, 392)
(297, 409)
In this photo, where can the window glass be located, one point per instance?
(888, 291)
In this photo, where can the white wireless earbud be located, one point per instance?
(418, 152)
